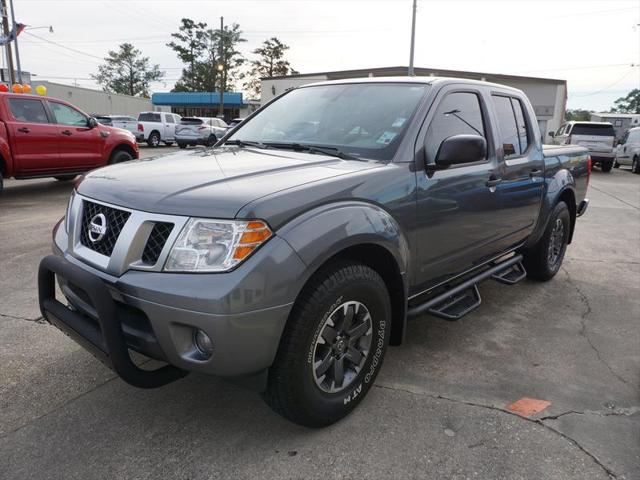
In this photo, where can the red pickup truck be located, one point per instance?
(47, 137)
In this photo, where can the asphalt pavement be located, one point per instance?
(565, 354)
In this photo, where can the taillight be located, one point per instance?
(201, 127)
(140, 127)
(588, 168)
(568, 140)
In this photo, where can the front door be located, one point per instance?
(458, 207)
(169, 127)
(80, 147)
(34, 140)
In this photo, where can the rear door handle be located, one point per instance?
(66, 132)
(492, 182)
(24, 130)
(535, 173)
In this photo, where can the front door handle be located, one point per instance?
(492, 182)
(24, 130)
(535, 173)
(66, 132)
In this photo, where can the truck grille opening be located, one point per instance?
(115, 221)
(157, 238)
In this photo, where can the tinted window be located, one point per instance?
(593, 129)
(457, 114)
(366, 119)
(169, 119)
(149, 117)
(65, 115)
(521, 120)
(559, 132)
(25, 110)
(191, 121)
(507, 126)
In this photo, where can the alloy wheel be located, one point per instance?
(556, 243)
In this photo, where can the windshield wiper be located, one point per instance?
(331, 151)
(246, 143)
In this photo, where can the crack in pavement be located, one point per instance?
(583, 325)
(613, 196)
(39, 319)
(616, 412)
(540, 422)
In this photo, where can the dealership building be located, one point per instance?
(547, 95)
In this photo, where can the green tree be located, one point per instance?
(270, 63)
(198, 47)
(628, 104)
(127, 72)
(578, 115)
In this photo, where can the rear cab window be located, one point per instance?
(28, 110)
(149, 117)
(191, 121)
(593, 129)
(512, 125)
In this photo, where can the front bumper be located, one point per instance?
(156, 313)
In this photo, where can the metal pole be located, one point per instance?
(5, 27)
(13, 22)
(413, 36)
(221, 72)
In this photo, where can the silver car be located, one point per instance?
(628, 150)
(199, 131)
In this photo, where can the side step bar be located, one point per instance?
(461, 299)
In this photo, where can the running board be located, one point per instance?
(463, 298)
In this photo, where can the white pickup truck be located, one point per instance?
(598, 137)
(157, 127)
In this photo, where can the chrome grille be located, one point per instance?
(116, 220)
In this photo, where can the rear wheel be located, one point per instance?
(120, 156)
(64, 178)
(182, 145)
(1, 182)
(154, 140)
(211, 141)
(606, 166)
(168, 144)
(616, 164)
(332, 347)
(544, 259)
(635, 166)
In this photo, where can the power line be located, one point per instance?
(588, 94)
(64, 46)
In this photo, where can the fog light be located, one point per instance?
(203, 343)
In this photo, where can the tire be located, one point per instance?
(1, 182)
(635, 166)
(616, 164)
(120, 156)
(211, 141)
(297, 389)
(544, 259)
(182, 145)
(168, 144)
(154, 140)
(65, 178)
(606, 166)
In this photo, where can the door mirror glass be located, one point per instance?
(92, 122)
(460, 149)
(552, 134)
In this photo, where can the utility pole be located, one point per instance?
(13, 23)
(413, 36)
(221, 69)
(5, 28)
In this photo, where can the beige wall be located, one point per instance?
(96, 101)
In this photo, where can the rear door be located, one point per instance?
(169, 126)
(522, 163)
(34, 139)
(598, 138)
(458, 207)
(80, 147)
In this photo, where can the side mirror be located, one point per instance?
(552, 134)
(459, 149)
(92, 122)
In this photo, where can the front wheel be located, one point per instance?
(544, 259)
(211, 141)
(332, 347)
(606, 166)
(182, 145)
(168, 144)
(120, 156)
(635, 166)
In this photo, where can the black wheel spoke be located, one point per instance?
(356, 332)
(354, 356)
(338, 372)
(324, 365)
(348, 317)
(329, 334)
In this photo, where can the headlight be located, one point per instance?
(215, 245)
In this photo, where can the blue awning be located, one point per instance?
(194, 99)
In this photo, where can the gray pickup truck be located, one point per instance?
(292, 253)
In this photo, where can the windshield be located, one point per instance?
(365, 120)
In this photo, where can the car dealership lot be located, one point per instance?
(439, 409)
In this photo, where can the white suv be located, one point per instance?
(156, 127)
(628, 150)
(598, 137)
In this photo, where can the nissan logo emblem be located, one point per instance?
(97, 227)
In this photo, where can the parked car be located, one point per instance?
(598, 137)
(288, 258)
(121, 121)
(199, 131)
(628, 150)
(234, 123)
(47, 137)
(157, 127)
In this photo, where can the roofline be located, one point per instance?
(440, 73)
(94, 90)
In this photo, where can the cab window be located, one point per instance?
(507, 126)
(65, 115)
(28, 110)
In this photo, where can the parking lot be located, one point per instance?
(439, 409)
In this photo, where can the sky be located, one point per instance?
(594, 45)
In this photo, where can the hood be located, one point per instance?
(214, 183)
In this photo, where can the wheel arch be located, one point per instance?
(568, 196)
(122, 147)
